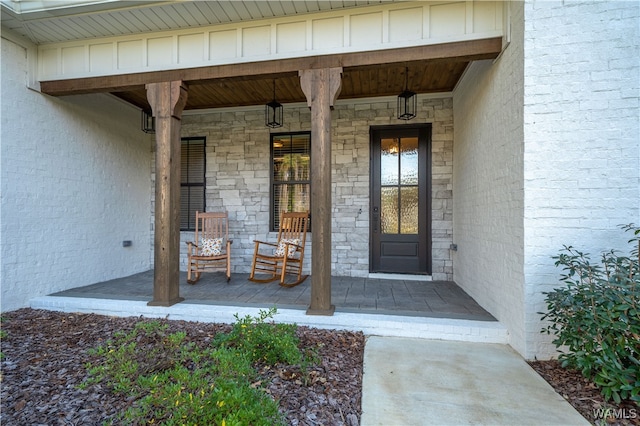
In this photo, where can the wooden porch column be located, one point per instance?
(167, 100)
(321, 87)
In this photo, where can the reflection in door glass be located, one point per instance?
(389, 216)
(389, 161)
(399, 185)
(409, 161)
(409, 210)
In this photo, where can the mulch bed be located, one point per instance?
(45, 355)
(585, 397)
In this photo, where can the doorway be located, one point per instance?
(400, 214)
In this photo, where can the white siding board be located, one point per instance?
(100, 56)
(190, 48)
(223, 45)
(159, 51)
(291, 37)
(256, 41)
(447, 20)
(405, 24)
(366, 29)
(328, 33)
(49, 61)
(487, 16)
(73, 59)
(394, 25)
(130, 54)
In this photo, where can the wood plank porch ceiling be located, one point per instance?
(431, 69)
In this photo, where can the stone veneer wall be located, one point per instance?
(238, 177)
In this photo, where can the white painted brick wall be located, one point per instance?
(582, 137)
(238, 177)
(75, 184)
(547, 153)
(488, 184)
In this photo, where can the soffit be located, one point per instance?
(371, 75)
(423, 69)
(357, 82)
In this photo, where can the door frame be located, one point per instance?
(424, 131)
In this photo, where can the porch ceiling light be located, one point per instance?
(148, 122)
(273, 111)
(407, 100)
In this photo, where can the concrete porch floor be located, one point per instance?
(384, 307)
(441, 299)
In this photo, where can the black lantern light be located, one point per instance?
(273, 111)
(407, 100)
(148, 122)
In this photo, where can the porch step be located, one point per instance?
(370, 324)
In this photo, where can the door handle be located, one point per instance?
(376, 218)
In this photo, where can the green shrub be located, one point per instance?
(262, 341)
(595, 317)
(174, 382)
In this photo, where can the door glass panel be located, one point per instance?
(389, 161)
(389, 211)
(398, 181)
(409, 210)
(409, 161)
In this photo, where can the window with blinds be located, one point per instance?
(290, 174)
(192, 183)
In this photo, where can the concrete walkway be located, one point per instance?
(411, 382)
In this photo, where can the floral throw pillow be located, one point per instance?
(210, 246)
(279, 252)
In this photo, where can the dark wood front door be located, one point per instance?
(400, 217)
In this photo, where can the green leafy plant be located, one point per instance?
(263, 341)
(595, 317)
(172, 381)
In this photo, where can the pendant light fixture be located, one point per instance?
(273, 111)
(407, 100)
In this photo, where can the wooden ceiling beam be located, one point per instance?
(463, 51)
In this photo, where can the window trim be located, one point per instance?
(191, 226)
(273, 182)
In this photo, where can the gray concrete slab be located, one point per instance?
(411, 382)
(438, 299)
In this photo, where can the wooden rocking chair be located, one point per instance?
(212, 247)
(286, 255)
